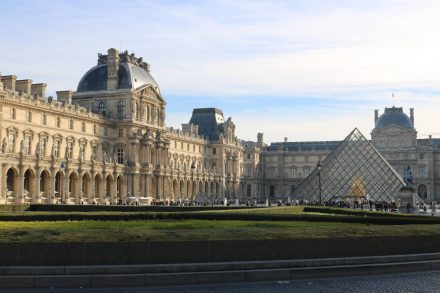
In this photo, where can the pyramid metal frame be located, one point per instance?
(355, 157)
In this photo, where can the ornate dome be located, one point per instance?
(132, 73)
(394, 116)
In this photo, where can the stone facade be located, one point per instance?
(108, 143)
(286, 164)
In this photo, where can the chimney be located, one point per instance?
(9, 82)
(411, 115)
(112, 69)
(260, 137)
(24, 85)
(65, 96)
(376, 115)
(1, 84)
(39, 89)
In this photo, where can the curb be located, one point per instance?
(206, 273)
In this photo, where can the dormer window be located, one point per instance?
(102, 108)
(121, 109)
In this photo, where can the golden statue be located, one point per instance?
(357, 188)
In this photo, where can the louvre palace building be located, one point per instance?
(107, 143)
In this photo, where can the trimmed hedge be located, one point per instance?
(14, 207)
(122, 208)
(351, 212)
(135, 216)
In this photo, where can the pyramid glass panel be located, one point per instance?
(354, 170)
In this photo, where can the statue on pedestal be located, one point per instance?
(408, 177)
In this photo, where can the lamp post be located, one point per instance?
(319, 166)
(62, 195)
(193, 167)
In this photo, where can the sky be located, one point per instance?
(307, 70)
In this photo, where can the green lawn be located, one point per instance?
(114, 231)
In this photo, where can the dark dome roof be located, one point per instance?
(393, 116)
(130, 77)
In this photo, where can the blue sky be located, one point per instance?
(306, 70)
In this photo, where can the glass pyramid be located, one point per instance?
(354, 170)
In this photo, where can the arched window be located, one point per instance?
(102, 108)
(422, 191)
(121, 109)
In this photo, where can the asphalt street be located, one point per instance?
(412, 282)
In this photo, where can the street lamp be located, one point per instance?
(62, 195)
(319, 166)
(193, 167)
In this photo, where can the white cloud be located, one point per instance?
(331, 62)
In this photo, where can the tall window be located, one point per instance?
(56, 149)
(120, 154)
(271, 190)
(293, 173)
(121, 109)
(44, 119)
(94, 129)
(422, 171)
(71, 124)
(69, 150)
(271, 172)
(41, 147)
(214, 151)
(58, 122)
(248, 156)
(82, 148)
(249, 190)
(13, 113)
(105, 131)
(102, 108)
(248, 171)
(120, 132)
(83, 126)
(27, 146)
(11, 143)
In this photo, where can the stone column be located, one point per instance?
(159, 187)
(115, 190)
(134, 154)
(80, 189)
(136, 191)
(4, 182)
(129, 185)
(52, 188)
(148, 184)
(66, 194)
(36, 195)
(20, 194)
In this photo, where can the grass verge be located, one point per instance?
(190, 230)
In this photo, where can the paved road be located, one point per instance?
(414, 282)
